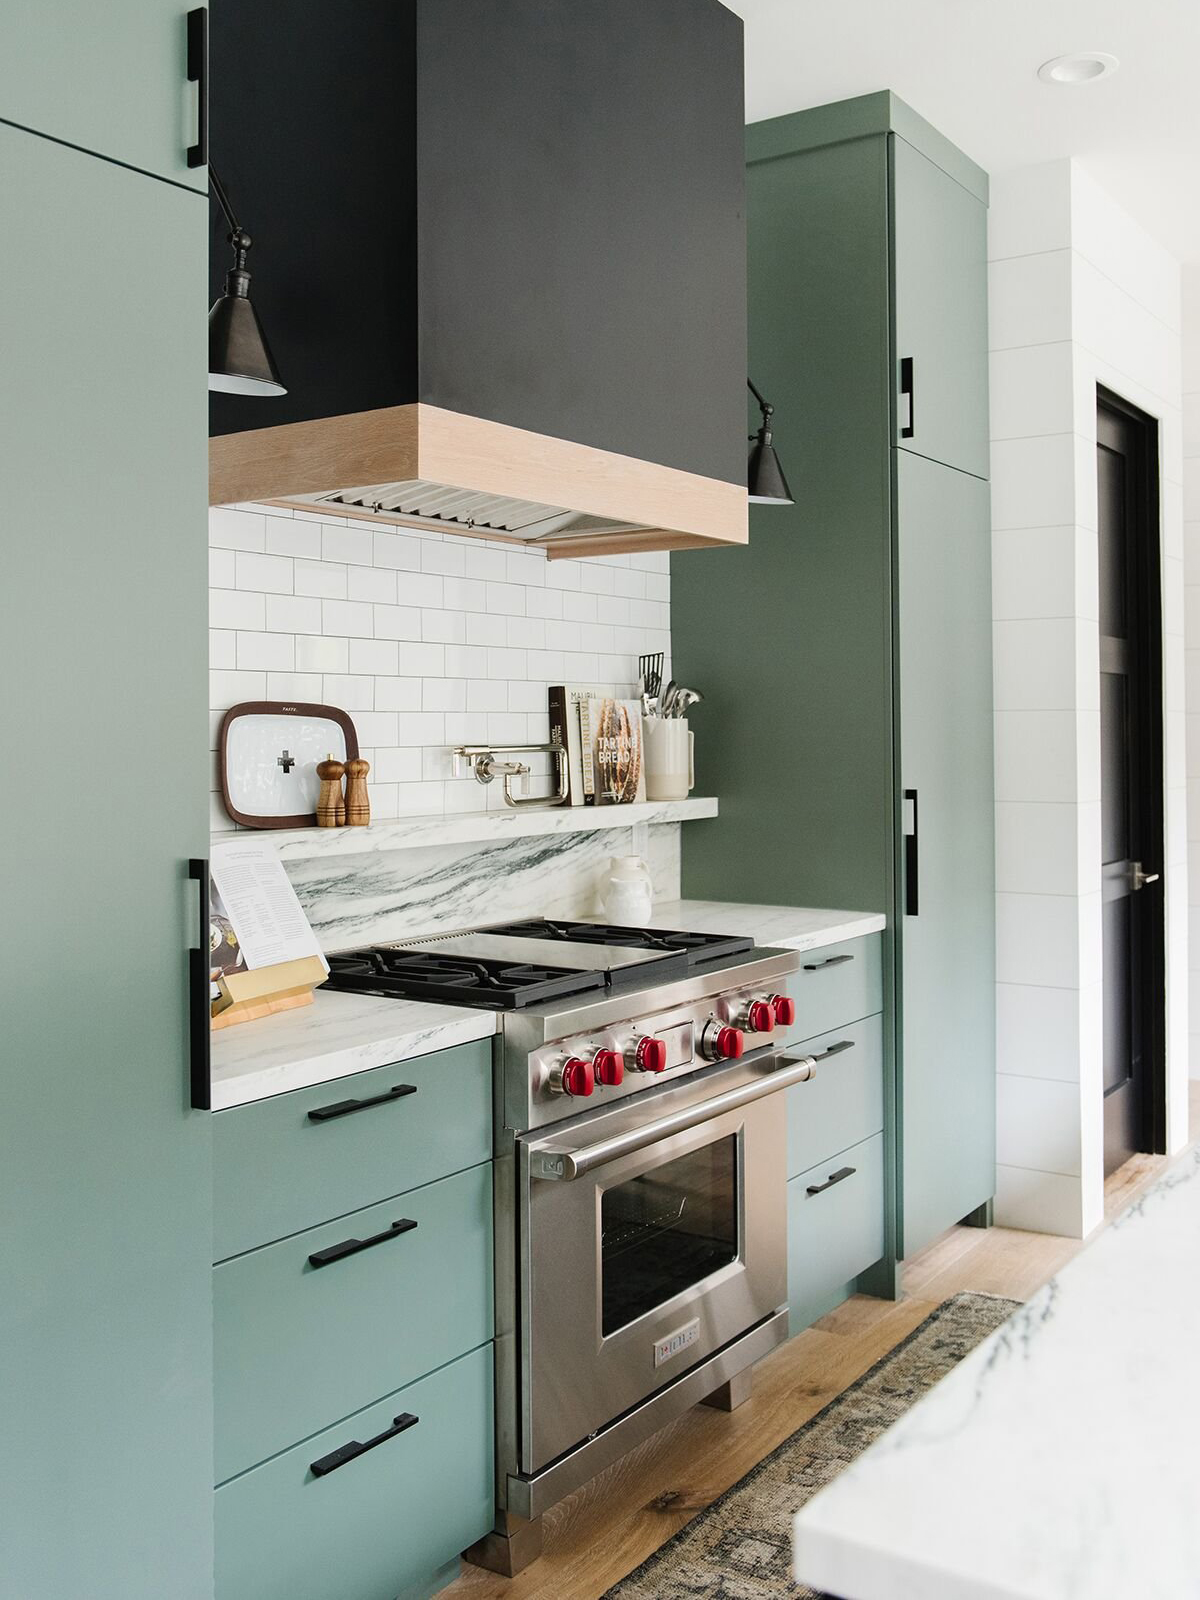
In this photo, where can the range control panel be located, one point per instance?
(627, 1057)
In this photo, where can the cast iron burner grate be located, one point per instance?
(698, 947)
(454, 980)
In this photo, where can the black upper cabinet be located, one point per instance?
(527, 211)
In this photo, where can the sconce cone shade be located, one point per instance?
(239, 358)
(764, 477)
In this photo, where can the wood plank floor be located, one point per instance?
(599, 1534)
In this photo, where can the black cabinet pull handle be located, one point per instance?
(351, 1247)
(839, 1176)
(911, 860)
(829, 961)
(197, 72)
(347, 1452)
(199, 1004)
(908, 426)
(343, 1108)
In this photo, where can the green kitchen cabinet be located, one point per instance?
(845, 655)
(109, 78)
(105, 1171)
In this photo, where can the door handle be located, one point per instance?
(354, 1448)
(839, 1176)
(343, 1108)
(907, 418)
(911, 859)
(1139, 878)
(197, 72)
(351, 1247)
(199, 1003)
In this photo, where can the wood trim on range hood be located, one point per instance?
(662, 508)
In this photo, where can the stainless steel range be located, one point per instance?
(640, 1182)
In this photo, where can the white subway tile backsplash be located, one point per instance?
(272, 574)
(428, 640)
(231, 608)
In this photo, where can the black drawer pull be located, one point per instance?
(839, 1176)
(351, 1247)
(343, 1108)
(829, 961)
(347, 1452)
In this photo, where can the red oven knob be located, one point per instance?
(608, 1068)
(720, 1043)
(649, 1055)
(574, 1077)
(784, 1009)
(760, 1016)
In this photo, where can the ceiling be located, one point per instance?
(969, 67)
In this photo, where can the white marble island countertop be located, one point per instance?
(1059, 1460)
(775, 927)
(337, 1035)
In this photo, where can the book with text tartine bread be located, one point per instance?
(564, 703)
(611, 735)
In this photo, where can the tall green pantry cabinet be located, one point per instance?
(105, 1179)
(846, 655)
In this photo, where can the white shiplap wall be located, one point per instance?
(426, 639)
(1079, 296)
(1191, 595)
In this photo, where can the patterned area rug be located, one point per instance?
(739, 1548)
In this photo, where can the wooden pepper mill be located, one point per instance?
(331, 808)
(358, 806)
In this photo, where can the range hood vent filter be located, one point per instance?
(422, 504)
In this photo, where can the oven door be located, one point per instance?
(652, 1235)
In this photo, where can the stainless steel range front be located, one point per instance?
(641, 1226)
(640, 1182)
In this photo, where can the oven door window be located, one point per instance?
(667, 1230)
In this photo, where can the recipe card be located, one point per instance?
(261, 904)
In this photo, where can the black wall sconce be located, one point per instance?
(764, 475)
(239, 358)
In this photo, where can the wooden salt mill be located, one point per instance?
(331, 808)
(358, 806)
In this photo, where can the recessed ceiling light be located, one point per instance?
(1084, 66)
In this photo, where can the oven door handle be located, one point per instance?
(556, 1162)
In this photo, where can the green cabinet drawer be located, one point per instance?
(842, 1104)
(297, 1344)
(286, 1164)
(836, 1233)
(383, 1525)
(837, 984)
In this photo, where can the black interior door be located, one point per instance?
(1131, 780)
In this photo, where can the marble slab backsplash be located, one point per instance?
(400, 894)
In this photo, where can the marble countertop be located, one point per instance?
(337, 1035)
(777, 927)
(343, 1033)
(1059, 1460)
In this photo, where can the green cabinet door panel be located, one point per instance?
(282, 1165)
(384, 1525)
(299, 1342)
(835, 1229)
(842, 1103)
(105, 1173)
(948, 1088)
(790, 637)
(108, 77)
(939, 246)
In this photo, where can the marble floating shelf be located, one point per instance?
(483, 827)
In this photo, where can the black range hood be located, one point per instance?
(500, 250)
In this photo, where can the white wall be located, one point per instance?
(1191, 593)
(1079, 295)
(426, 639)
